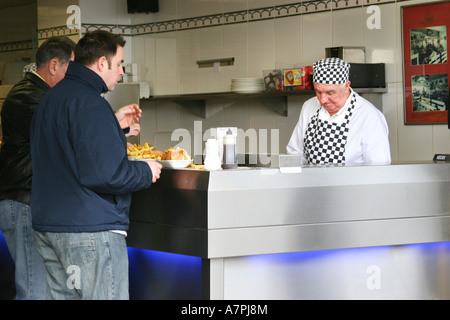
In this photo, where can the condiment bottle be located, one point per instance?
(212, 158)
(229, 151)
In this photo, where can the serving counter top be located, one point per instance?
(252, 211)
(340, 232)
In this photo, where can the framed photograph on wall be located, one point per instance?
(426, 66)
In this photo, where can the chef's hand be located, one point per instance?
(135, 129)
(128, 115)
(155, 167)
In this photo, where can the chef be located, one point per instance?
(338, 126)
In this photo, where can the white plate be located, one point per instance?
(247, 80)
(247, 91)
(175, 164)
(247, 87)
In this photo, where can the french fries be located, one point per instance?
(144, 152)
(196, 166)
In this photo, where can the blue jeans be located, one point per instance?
(92, 266)
(30, 275)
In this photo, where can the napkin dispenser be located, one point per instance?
(287, 163)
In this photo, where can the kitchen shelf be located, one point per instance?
(277, 101)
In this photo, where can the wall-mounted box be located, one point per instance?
(210, 63)
(367, 75)
(348, 54)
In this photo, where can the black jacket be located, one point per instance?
(15, 157)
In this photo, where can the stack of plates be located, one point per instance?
(247, 85)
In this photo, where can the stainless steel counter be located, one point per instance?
(233, 214)
(258, 211)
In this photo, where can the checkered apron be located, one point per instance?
(325, 141)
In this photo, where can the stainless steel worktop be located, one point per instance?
(252, 211)
(345, 232)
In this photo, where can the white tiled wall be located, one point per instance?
(167, 60)
(168, 63)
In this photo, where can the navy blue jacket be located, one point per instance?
(82, 179)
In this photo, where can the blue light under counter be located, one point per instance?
(182, 274)
(6, 271)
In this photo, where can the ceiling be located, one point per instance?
(15, 3)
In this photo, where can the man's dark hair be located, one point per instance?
(59, 48)
(97, 44)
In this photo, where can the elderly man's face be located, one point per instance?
(332, 96)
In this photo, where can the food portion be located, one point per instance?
(176, 154)
(146, 152)
(196, 166)
(177, 158)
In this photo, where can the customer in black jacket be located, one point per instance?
(52, 60)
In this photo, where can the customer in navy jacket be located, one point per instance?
(82, 179)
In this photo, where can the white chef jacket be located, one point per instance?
(367, 141)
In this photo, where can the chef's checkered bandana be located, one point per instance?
(29, 68)
(325, 141)
(331, 71)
